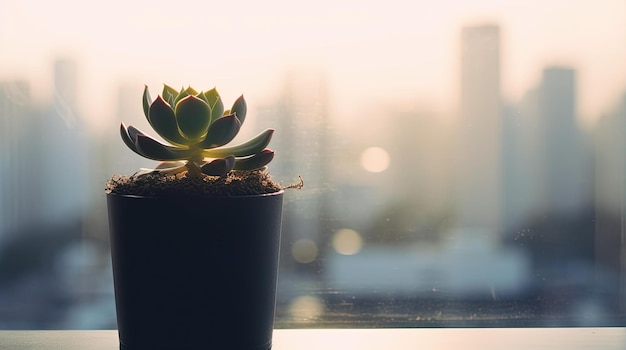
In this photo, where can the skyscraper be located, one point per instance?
(18, 181)
(522, 148)
(479, 164)
(67, 153)
(566, 185)
(610, 199)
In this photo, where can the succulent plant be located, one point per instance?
(197, 128)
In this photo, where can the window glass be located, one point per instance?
(463, 162)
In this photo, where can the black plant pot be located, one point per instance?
(195, 273)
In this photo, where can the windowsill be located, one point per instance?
(361, 339)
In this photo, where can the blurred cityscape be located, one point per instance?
(510, 213)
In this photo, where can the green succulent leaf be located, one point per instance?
(217, 110)
(221, 132)
(256, 161)
(128, 140)
(163, 120)
(219, 167)
(153, 149)
(189, 91)
(133, 132)
(170, 165)
(248, 148)
(240, 108)
(144, 145)
(171, 168)
(147, 101)
(212, 96)
(169, 94)
(193, 116)
(201, 96)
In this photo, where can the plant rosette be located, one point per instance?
(197, 129)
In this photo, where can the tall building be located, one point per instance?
(610, 199)
(19, 150)
(66, 155)
(566, 186)
(479, 157)
(521, 151)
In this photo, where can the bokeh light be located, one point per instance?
(304, 251)
(347, 241)
(306, 307)
(375, 159)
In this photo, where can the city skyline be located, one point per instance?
(409, 50)
(409, 206)
(68, 82)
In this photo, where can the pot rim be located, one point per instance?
(113, 194)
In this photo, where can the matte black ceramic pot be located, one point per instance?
(195, 273)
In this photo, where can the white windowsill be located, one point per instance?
(361, 339)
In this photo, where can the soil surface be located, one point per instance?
(235, 183)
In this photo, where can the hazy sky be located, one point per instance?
(372, 51)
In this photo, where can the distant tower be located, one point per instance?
(18, 182)
(610, 202)
(521, 151)
(70, 173)
(479, 163)
(566, 186)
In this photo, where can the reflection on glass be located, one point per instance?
(463, 166)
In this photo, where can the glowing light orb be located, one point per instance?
(347, 242)
(375, 159)
(306, 307)
(304, 251)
